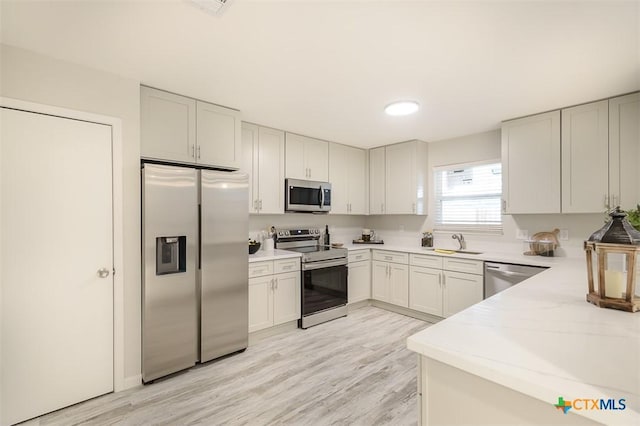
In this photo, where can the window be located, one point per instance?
(468, 197)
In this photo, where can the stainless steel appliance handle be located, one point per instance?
(324, 264)
(510, 274)
(321, 196)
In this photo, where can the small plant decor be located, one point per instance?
(633, 216)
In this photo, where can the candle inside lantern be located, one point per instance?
(614, 283)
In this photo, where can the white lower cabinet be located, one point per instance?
(274, 298)
(444, 286)
(390, 277)
(286, 297)
(260, 303)
(461, 291)
(425, 289)
(359, 281)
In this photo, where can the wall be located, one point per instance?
(479, 147)
(36, 78)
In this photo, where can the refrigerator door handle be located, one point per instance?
(199, 254)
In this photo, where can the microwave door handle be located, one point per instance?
(321, 197)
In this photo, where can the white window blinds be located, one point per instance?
(468, 197)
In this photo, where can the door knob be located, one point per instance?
(103, 272)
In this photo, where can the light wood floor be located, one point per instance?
(350, 371)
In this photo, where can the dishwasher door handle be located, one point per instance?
(510, 274)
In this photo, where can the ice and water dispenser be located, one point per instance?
(171, 255)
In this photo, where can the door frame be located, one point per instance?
(119, 382)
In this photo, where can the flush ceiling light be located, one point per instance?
(212, 7)
(402, 108)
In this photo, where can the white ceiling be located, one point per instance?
(327, 68)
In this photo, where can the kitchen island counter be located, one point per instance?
(542, 340)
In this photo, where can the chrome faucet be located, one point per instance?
(461, 241)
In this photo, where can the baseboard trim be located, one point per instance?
(357, 305)
(260, 335)
(406, 311)
(132, 382)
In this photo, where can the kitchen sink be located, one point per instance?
(449, 251)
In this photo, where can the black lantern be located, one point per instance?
(613, 261)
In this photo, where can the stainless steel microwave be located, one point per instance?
(307, 196)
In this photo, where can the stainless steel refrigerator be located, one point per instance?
(195, 267)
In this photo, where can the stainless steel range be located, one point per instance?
(323, 275)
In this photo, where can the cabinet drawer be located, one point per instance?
(358, 255)
(259, 269)
(391, 256)
(426, 260)
(464, 265)
(286, 265)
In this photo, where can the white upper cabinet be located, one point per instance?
(180, 129)
(585, 153)
(398, 179)
(263, 160)
(531, 164)
(249, 146)
(306, 158)
(624, 151)
(376, 181)
(167, 126)
(218, 141)
(347, 174)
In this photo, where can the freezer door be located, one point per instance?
(224, 263)
(169, 277)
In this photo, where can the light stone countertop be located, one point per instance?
(493, 256)
(541, 338)
(262, 255)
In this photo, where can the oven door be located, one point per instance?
(307, 196)
(324, 286)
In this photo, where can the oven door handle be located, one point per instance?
(321, 196)
(324, 264)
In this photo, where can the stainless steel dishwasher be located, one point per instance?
(501, 276)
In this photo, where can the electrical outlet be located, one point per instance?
(522, 234)
(564, 235)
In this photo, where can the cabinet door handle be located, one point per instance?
(272, 283)
(198, 151)
(276, 283)
(439, 279)
(260, 205)
(444, 280)
(605, 201)
(413, 207)
(193, 151)
(388, 258)
(504, 206)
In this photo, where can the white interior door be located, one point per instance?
(56, 236)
